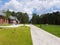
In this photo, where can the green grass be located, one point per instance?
(54, 29)
(5, 24)
(15, 36)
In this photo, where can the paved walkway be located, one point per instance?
(12, 26)
(41, 37)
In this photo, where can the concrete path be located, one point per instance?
(13, 26)
(41, 37)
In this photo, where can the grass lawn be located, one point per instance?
(54, 29)
(15, 36)
(5, 24)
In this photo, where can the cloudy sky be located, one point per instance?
(31, 6)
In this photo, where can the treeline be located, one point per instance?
(22, 17)
(49, 18)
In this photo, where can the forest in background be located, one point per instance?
(48, 18)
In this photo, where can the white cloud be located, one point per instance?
(29, 5)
